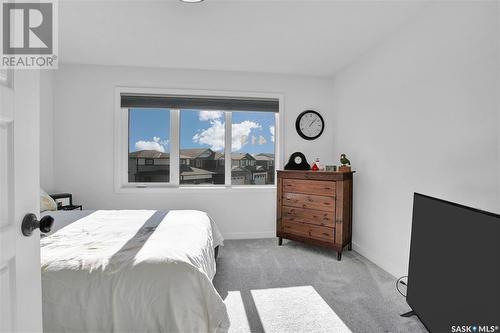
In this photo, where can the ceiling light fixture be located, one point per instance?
(191, 1)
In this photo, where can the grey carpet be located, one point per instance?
(302, 288)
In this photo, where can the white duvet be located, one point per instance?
(132, 271)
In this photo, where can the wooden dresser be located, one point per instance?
(315, 207)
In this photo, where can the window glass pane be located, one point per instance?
(6, 77)
(3, 75)
(252, 150)
(148, 146)
(201, 147)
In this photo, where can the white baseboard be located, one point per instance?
(358, 249)
(250, 235)
(369, 255)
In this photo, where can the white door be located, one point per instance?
(20, 284)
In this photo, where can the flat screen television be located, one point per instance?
(454, 269)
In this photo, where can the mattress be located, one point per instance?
(63, 218)
(131, 271)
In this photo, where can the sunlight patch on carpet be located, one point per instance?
(296, 309)
(236, 312)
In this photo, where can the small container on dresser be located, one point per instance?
(315, 207)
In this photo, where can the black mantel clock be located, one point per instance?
(297, 161)
(310, 125)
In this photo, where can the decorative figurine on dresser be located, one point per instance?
(315, 207)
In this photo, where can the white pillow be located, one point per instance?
(46, 202)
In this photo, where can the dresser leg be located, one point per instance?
(280, 241)
(349, 247)
(339, 255)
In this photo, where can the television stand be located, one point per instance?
(408, 314)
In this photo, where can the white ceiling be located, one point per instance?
(292, 37)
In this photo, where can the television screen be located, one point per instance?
(454, 269)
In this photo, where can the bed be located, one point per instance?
(131, 271)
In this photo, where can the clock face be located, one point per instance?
(310, 125)
(298, 159)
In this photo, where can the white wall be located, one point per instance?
(47, 181)
(83, 139)
(421, 113)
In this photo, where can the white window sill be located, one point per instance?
(200, 188)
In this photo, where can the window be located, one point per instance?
(148, 148)
(182, 140)
(202, 140)
(252, 148)
(6, 77)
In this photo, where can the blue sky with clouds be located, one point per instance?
(149, 129)
(253, 132)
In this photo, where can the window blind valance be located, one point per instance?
(199, 102)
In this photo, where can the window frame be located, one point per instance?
(121, 183)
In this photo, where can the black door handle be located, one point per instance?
(30, 223)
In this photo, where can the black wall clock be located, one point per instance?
(310, 125)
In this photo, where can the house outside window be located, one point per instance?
(182, 140)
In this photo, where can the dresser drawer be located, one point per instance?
(316, 217)
(309, 201)
(317, 187)
(309, 230)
